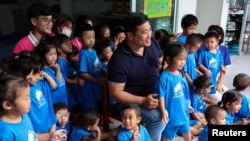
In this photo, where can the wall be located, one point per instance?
(212, 12)
(6, 16)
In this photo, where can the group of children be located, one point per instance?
(50, 76)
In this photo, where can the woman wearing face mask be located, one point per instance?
(62, 25)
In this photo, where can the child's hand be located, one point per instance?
(191, 109)
(208, 73)
(59, 135)
(80, 82)
(55, 66)
(136, 134)
(102, 81)
(164, 117)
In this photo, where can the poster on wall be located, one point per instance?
(157, 8)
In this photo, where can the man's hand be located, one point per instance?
(150, 101)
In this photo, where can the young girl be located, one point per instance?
(202, 86)
(231, 103)
(86, 124)
(215, 115)
(48, 55)
(28, 66)
(173, 93)
(89, 69)
(117, 36)
(210, 62)
(132, 130)
(15, 104)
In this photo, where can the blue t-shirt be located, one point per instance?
(41, 112)
(204, 134)
(197, 102)
(229, 118)
(244, 109)
(67, 127)
(78, 133)
(64, 67)
(175, 91)
(182, 38)
(139, 73)
(22, 131)
(190, 66)
(90, 63)
(126, 135)
(213, 62)
(60, 93)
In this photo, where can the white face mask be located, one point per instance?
(67, 32)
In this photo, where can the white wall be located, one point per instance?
(183, 7)
(211, 12)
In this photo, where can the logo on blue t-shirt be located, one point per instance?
(31, 136)
(213, 63)
(40, 98)
(178, 90)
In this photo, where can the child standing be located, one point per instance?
(241, 82)
(89, 69)
(214, 115)
(132, 130)
(210, 62)
(28, 66)
(188, 24)
(193, 43)
(15, 104)
(62, 112)
(48, 55)
(231, 103)
(173, 93)
(40, 17)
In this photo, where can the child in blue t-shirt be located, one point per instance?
(241, 82)
(173, 93)
(47, 52)
(188, 24)
(231, 103)
(215, 115)
(28, 66)
(89, 69)
(210, 62)
(15, 104)
(134, 131)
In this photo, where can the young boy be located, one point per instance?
(241, 82)
(132, 130)
(62, 112)
(188, 24)
(214, 115)
(89, 69)
(40, 17)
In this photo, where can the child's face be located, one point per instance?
(206, 91)
(43, 24)
(120, 37)
(179, 61)
(189, 30)
(95, 126)
(234, 106)
(130, 120)
(66, 47)
(62, 116)
(88, 39)
(51, 56)
(194, 48)
(220, 119)
(22, 102)
(106, 54)
(33, 78)
(211, 43)
(106, 32)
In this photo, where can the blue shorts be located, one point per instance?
(170, 131)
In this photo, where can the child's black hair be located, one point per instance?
(75, 52)
(82, 19)
(212, 113)
(211, 34)
(134, 107)
(59, 39)
(83, 28)
(202, 82)
(241, 81)
(229, 96)
(219, 30)
(160, 34)
(101, 45)
(58, 106)
(189, 20)
(194, 38)
(88, 116)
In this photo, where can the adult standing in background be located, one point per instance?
(134, 70)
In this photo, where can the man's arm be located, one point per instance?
(116, 91)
